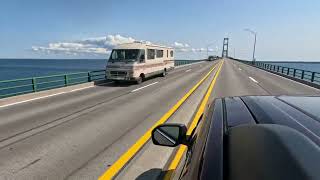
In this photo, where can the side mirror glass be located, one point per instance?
(169, 135)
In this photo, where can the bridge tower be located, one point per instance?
(225, 47)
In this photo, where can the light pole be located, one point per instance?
(254, 45)
(208, 48)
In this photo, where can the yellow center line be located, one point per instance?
(177, 158)
(130, 153)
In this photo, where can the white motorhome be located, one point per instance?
(137, 61)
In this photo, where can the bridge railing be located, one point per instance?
(184, 62)
(35, 84)
(298, 74)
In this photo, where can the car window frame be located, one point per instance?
(192, 167)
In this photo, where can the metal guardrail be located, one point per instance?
(184, 62)
(29, 85)
(299, 74)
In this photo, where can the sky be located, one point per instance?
(286, 29)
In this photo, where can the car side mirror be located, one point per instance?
(169, 135)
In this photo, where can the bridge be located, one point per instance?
(103, 131)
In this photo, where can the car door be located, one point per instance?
(194, 155)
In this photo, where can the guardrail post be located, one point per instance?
(66, 80)
(278, 68)
(34, 84)
(312, 76)
(274, 67)
(302, 74)
(281, 69)
(89, 77)
(288, 71)
(294, 72)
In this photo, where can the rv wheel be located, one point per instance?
(139, 80)
(164, 73)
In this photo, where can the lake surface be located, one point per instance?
(25, 68)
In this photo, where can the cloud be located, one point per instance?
(184, 47)
(103, 45)
(181, 47)
(200, 50)
(98, 45)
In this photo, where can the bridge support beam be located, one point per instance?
(225, 47)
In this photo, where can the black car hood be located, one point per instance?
(262, 137)
(297, 112)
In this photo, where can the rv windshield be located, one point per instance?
(124, 54)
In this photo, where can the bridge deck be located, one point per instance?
(80, 134)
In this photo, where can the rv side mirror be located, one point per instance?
(169, 135)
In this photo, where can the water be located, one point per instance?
(309, 66)
(26, 68)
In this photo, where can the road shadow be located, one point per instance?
(152, 174)
(116, 83)
(109, 83)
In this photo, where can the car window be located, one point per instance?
(193, 163)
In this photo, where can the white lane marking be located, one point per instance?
(188, 70)
(283, 77)
(253, 79)
(144, 86)
(89, 87)
(42, 97)
(240, 69)
(80, 89)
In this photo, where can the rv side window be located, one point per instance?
(142, 55)
(151, 53)
(171, 53)
(159, 53)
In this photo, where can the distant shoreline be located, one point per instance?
(265, 61)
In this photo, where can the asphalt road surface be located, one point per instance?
(78, 135)
(57, 137)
